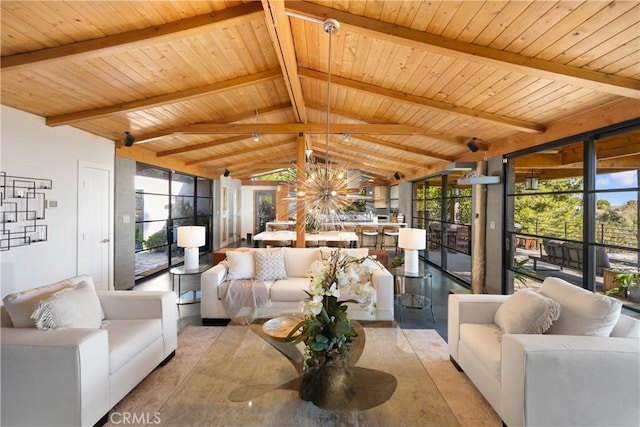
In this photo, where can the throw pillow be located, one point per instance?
(242, 265)
(526, 312)
(75, 307)
(583, 312)
(20, 305)
(270, 265)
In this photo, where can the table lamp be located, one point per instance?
(191, 238)
(412, 240)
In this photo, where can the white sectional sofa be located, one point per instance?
(74, 376)
(584, 371)
(287, 293)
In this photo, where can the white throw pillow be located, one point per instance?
(20, 305)
(242, 265)
(526, 312)
(582, 311)
(298, 260)
(75, 307)
(270, 264)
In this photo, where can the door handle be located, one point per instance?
(104, 241)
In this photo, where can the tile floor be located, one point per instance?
(411, 318)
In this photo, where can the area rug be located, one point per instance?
(143, 405)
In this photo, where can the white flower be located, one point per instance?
(315, 305)
(333, 291)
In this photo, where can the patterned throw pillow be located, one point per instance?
(270, 265)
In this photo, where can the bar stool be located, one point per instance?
(369, 232)
(390, 232)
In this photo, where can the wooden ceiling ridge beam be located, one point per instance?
(133, 39)
(151, 136)
(280, 32)
(494, 119)
(159, 100)
(602, 82)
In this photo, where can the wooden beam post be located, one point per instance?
(301, 177)
(479, 230)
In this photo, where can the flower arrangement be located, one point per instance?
(325, 329)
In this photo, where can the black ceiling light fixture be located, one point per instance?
(226, 172)
(128, 139)
(397, 175)
(473, 144)
(531, 180)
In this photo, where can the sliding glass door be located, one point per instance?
(166, 200)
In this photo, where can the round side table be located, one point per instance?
(192, 296)
(421, 297)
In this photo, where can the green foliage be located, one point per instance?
(557, 215)
(625, 280)
(520, 272)
(157, 241)
(284, 175)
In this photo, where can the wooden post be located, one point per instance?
(479, 229)
(301, 174)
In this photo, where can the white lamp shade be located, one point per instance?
(191, 236)
(412, 238)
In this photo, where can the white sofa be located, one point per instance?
(555, 378)
(74, 376)
(288, 293)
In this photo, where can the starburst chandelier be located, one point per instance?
(327, 187)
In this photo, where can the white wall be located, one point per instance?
(30, 148)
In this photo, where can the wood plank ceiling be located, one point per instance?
(411, 81)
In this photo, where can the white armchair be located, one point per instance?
(73, 377)
(548, 379)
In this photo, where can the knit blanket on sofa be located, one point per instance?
(240, 293)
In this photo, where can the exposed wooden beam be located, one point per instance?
(582, 77)
(280, 33)
(151, 136)
(294, 128)
(169, 98)
(201, 146)
(134, 39)
(494, 119)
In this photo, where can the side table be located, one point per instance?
(190, 297)
(421, 298)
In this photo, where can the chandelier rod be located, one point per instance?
(330, 27)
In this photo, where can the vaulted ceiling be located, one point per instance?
(411, 82)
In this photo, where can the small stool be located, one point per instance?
(369, 232)
(392, 232)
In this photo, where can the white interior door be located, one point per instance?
(94, 223)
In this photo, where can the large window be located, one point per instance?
(443, 208)
(166, 200)
(568, 219)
